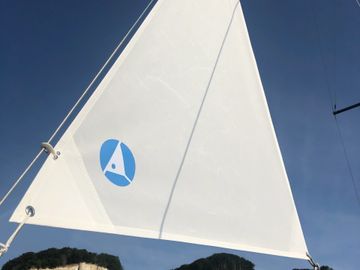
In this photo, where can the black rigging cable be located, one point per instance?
(332, 98)
(357, 195)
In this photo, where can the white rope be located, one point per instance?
(30, 212)
(100, 71)
(78, 101)
(358, 3)
(21, 176)
(315, 265)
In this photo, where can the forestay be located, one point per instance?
(176, 142)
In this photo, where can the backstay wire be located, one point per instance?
(332, 98)
(347, 159)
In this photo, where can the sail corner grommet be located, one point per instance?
(49, 149)
(30, 211)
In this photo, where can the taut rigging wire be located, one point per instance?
(5, 247)
(78, 101)
(352, 176)
(332, 98)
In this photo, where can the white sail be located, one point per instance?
(176, 142)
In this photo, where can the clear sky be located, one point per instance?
(307, 51)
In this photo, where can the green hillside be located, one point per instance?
(53, 257)
(220, 261)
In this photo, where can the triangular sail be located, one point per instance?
(176, 142)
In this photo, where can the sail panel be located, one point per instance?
(176, 142)
(233, 182)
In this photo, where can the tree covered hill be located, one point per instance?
(53, 257)
(219, 261)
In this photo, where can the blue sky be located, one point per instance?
(307, 51)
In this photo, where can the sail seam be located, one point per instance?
(195, 122)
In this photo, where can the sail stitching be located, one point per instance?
(195, 123)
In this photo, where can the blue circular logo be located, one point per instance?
(117, 162)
